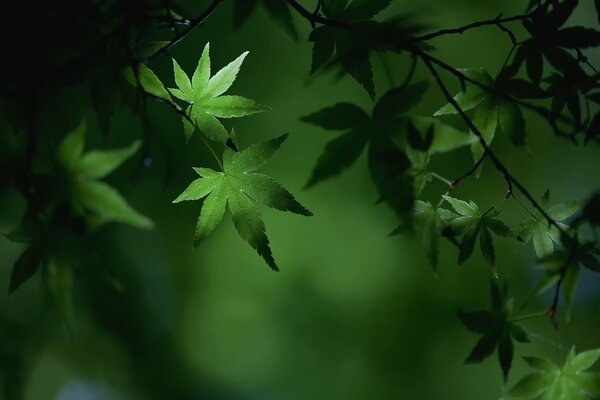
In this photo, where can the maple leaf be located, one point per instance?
(204, 94)
(240, 188)
(95, 200)
(496, 330)
(550, 382)
(540, 232)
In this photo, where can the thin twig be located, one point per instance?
(508, 177)
(315, 18)
(453, 31)
(196, 22)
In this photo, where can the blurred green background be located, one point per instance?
(354, 314)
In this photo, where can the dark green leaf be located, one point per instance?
(342, 116)
(25, 267)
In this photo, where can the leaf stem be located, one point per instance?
(441, 178)
(530, 316)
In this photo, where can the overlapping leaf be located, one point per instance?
(573, 381)
(544, 235)
(206, 100)
(489, 112)
(240, 188)
(471, 224)
(351, 47)
(564, 266)
(432, 223)
(496, 330)
(552, 42)
(388, 162)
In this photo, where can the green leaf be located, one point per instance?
(230, 106)
(486, 121)
(342, 116)
(543, 234)
(553, 383)
(143, 77)
(532, 385)
(280, 12)
(211, 213)
(495, 329)
(339, 154)
(512, 122)
(209, 125)
(468, 243)
(203, 93)
(472, 96)
(462, 207)
(398, 101)
(433, 221)
(364, 9)
(265, 190)
(59, 279)
(499, 227)
(183, 82)
(25, 267)
(98, 164)
(505, 353)
(250, 225)
(198, 189)
(71, 147)
(223, 79)
(240, 188)
(562, 211)
(202, 72)
(484, 348)
(108, 205)
(487, 245)
(91, 197)
(324, 40)
(478, 321)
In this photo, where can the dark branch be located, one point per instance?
(453, 31)
(316, 18)
(196, 22)
(510, 179)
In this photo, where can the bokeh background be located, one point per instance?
(354, 314)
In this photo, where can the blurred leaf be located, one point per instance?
(25, 267)
(142, 76)
(59, 279)
(572, 381)
(90, 195)
(278, 10)
(496, 330)
(433, 221)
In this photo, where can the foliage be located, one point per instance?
(497, 330)
(549, 381)
(239, 187)
(111, 48)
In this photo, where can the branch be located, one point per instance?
(453, 31)
(547, 114)
(467, 174)
(316, 18)
(510, 179)
(196, 22)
